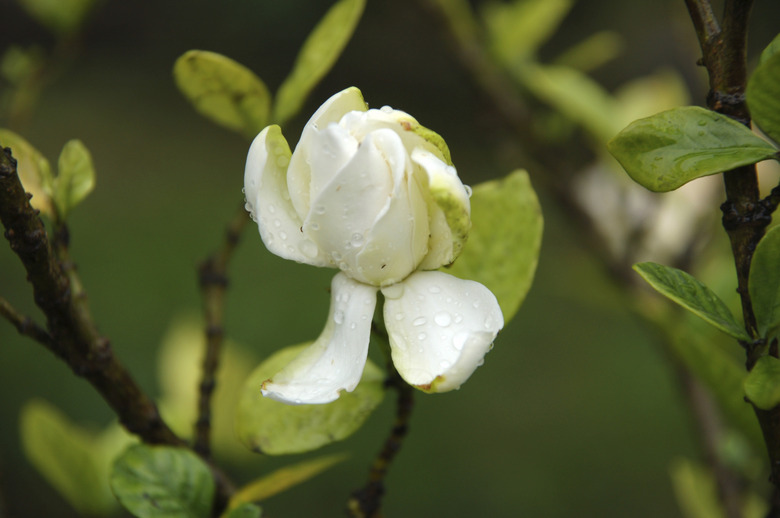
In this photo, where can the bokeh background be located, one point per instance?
(576, 411)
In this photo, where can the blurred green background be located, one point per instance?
(576, 409)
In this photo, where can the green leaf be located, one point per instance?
(33, 169)
(243, 511)
(60, 16)
(772, 49)
(764, 282)
(696, 491)
(163, 481)
(763, 96)
(69, 457)
(687, 291)
(75, 177)
(283, 479)
(762, 384)
(267, 426)
(317, 56)
(667, 150)
(223, 91)
(506, 234)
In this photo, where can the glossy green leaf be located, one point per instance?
(503, 246)
(687, 291)
(69, 457)
(763, 96)
(771, 49)
(75, 177)
(267, 426)
(162, 481)
(762, 384)
(224, 91)
(667, 150)
(243, 511)
(764, 282)
(283, 479)
(33, 169)
(319, 53)
(60, 16)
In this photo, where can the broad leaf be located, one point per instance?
(762, 384)
(244, 511)
(224, 91)
(163, 481)
(70, 458)
(763, 96)
(33, 170)
(283, 479)
(317, 56)
(503, 246)
(764, 282)
(671, 148)
(771, 49)
(267, 426)
(75, 177)
(687, 291)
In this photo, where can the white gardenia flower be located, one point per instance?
(374, 194)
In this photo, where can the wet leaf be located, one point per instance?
(762, 384)
(669, 149)
(763, 96)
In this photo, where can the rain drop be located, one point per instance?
(271, 208)
(338, 317)
(442, 319)
(336, 256)
(308, 248)
(419, 321)
(399, 316)
(352, 325)
(422, 336)
(444, 364)
(283, 235)
(386, 109)
(475, 304)
(277, 223)
(458, 318)
(315, 226)
(319, 209)
(356, 240)
(434, 289)
(468, 190)
(702, 123)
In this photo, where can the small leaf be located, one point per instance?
(33, 170)
(283, 479)
(60, 16)
(223, 91)
(163, 481)
(319, 53)
(764, 282)
(770, 50)
(69, 457)
(687, 291)
(762, 384)
(671, 148)
(763, 96)
(243, 511)
(75, 177)
(503, 246)
(267, 426)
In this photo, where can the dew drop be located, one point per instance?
(442, 319)
(315, 226)
(444, 364)
(344, 266)
(277, 223)
(271, 208)
(338, 317)
(393, 292)
(702, 123)
(422, 336)
(399, 316)
(458, 318)
(336, 256)
(353, 325)
(308, 248)
(475, 304)
(419, 321)
(356, 240)
(468, 190)
(434, 289)
(319, 209)
(283, 235)
(386, 109)
(658, 158)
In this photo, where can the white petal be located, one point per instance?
(440, 328)
(299, 174)
(346, 209)
(268, 200)
(335, 361)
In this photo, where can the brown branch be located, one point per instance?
(213, 283)
(25, 325)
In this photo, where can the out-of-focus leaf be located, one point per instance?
(163, 481)
(592, 52)
(69, 457)
(243, 511)
(317, 56)
(687, 291)
(763, 96)
(268, 426)
(224, 91)
(647, 95)
(283, 479)
(764, 282)
(75, 177)
(59, 16)
(33, 170)
(671, 148)
(771, 49)
(762, 384)
(503, 246)
(517, 29)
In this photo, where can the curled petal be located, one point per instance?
(440, 328)
(299, 174)
(267, 198)
(335, 361)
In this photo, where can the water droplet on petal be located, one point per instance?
(319, 209)
(283, 235)
(336, 256)
(277, 223)
(444, 364)
(386, 109)
(434, 289)
(419, 321)
(399, 316)
(353, 325)
(442, 318)
(308, 248)
(702, 123)
(338, 317)
(315, 226)
(475, 304)
(271, 208)
(422, 336)
(356, 240)
(458, 318)
(468, 190)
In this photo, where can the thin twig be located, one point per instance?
(212, 275)
(25, 325)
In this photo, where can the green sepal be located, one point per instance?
(163, 482)
(690, 293)
(763, 96)
(75, 177)
(319, 53)
(267, 426)
(762, 384)
(224, 91)
(667, 150)
(764, 282)
(504, 242)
